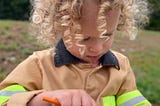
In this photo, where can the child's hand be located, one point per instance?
(71, 97)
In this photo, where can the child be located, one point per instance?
(82, 70)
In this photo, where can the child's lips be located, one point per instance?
(94, 58)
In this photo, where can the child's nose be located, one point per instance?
(96, 47)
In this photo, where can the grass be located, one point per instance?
(146, 67)
(9, 47)
(148, 33)
(144, 54)
(7, 24)
(15, 45)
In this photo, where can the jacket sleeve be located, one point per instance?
(128, 94)
(132, 98)
(8, 91)
(23, 82)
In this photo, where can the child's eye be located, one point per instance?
(105, 36)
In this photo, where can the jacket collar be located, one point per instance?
(63, 57)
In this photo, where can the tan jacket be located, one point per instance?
(38, 73)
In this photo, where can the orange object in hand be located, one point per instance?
(52, 100)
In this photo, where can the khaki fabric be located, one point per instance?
(38, 73)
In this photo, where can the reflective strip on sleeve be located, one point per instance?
(9, 91)
(109, 101)
(133, 98)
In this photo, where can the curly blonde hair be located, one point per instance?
(56, 18)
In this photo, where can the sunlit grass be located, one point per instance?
(147, 32)
(7, 24)
(146, 67)
(146, 64)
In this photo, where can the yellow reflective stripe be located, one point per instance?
(133, 98)
(109, 101)
(127, 96)
(14, 88)
(8, 91)
(3, 99)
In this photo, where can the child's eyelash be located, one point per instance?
(105, 35)
(85, 39)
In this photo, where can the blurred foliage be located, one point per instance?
(154, 6)
(14, 9)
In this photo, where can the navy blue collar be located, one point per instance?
(63, 57)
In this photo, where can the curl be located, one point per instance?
(51, 18)
(134, 15)
(101, 20)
